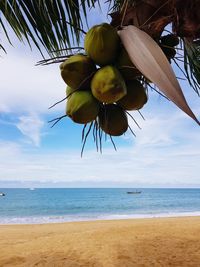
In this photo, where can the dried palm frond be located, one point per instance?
(149, 59)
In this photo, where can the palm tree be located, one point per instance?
(57, 26)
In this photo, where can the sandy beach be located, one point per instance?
(122, 243)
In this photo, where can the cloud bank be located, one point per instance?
(154, 157)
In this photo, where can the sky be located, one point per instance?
(164, 153)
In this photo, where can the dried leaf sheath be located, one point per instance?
(147, 56)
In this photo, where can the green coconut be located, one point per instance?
(102, 44)
(82, 107)
(107, 85)
(169, 40)
(113, 120)
(135, 98)
(77, 71)
(69, 91)
(126, 67)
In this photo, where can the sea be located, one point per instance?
(53, 205)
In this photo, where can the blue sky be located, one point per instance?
(165, 152)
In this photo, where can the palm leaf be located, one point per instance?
(52, 24)
(192, 64)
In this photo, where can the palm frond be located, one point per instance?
(192, 64)
(52, 24)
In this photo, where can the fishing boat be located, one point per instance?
(32, 188)
(134, 192)
(2, 194)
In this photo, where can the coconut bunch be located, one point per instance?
(168, 43)
(102, 84)
(111, 77)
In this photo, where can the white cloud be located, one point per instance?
(26, 92)
(166, 152)
(141, 164)
(164, 125)
(28, 88)
(31, 126)
(9, 149)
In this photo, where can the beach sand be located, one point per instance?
(123, 243)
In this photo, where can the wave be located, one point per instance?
(90, 217)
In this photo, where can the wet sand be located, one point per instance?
(122, 243)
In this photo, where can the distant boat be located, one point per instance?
(32, 188)
(2, 194)
(134, 192)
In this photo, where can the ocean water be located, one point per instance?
(62, 205)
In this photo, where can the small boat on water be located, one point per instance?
(134, 192)
(2, 194)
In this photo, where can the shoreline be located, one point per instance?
(112, 243)
(54, 219)
(117, 221)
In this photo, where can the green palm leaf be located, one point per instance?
(52, 24)
(192, 64)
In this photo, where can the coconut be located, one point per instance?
(69, 91)
(82, 107)
(135, 98)
(126, 67)
(113, 120)
(169, 52)
(77, 71)
(169, 40)
(107, 85)
(102, 44)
